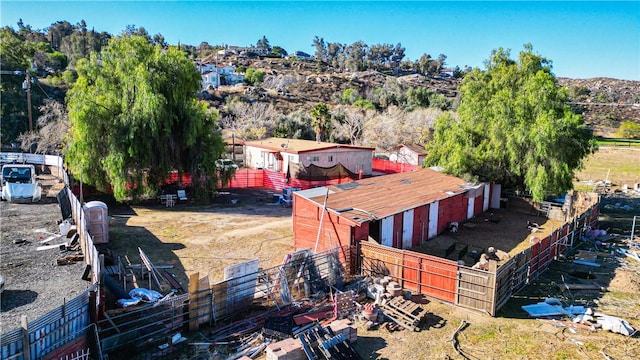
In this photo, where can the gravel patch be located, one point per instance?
(34, 283)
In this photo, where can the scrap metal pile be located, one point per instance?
(322, 328)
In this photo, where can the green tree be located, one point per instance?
(16, 54)
(253, 77)
(321, 119)
(629, 130)
(263, 43)
(321, 48)
(279, 51)
(134, 117)
(514, 127)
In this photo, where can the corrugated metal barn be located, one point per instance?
(398, 210)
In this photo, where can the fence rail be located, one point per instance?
(487, 291)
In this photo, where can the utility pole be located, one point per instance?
(27, 87)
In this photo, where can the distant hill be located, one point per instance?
(604, 102)
(293, 84)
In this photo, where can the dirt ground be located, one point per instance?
(34, 283)
(506, 229)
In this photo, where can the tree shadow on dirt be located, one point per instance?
(124, 249)
(12, 299)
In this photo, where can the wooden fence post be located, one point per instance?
(26, 345)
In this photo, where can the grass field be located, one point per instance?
(620, 165)
(602, 141)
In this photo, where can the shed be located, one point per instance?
(308, 159)
(409, 154)
(398, 210)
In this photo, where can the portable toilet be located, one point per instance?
(97, 216)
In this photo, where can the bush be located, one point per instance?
(253, 77)
(629, 130)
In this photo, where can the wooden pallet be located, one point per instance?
(405, 313)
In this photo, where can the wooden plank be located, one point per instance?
(193, 301)
(171, 280)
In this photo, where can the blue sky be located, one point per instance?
(583, 39)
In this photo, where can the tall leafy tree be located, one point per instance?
(263, 43)
(134, 116)
(321, 48)
(356, 54)
(513, 126)
(16, 54)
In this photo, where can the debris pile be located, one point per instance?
(580, 317)
(319, 327)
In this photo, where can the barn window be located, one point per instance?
(330, 158)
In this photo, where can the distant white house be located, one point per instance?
(408, 154)
(215, 75)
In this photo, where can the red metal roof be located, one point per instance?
(382, 196)
(296, 146)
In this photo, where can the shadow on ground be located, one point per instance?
(18, 298)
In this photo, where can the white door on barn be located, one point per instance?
(433, 219)
(495, 196)
(386, 232)
(485, 204)
(471, 207)
(407, 228)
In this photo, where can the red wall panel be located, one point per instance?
(450, 210)
(477, 205)
(397, 231)
(420, 224)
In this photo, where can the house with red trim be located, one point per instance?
(308, 159)
(398, 210)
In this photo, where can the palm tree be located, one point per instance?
(321, 117)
